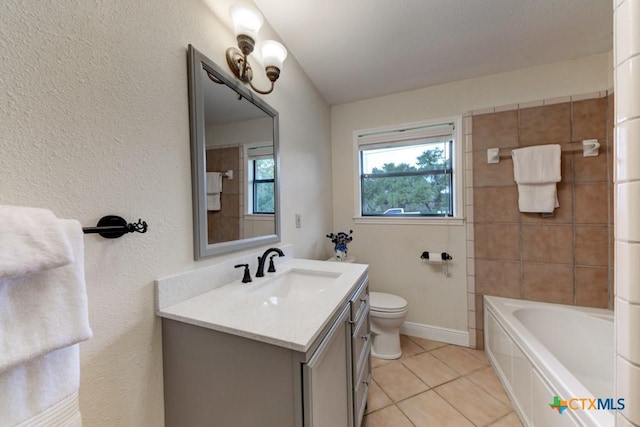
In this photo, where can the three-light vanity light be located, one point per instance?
(246, 24)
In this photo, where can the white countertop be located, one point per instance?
(291, 322)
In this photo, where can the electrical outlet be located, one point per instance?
(298, 222)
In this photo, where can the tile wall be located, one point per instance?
(567, 258)
(626, 57)
(225, 224)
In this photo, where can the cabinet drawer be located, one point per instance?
(360, 342)
(360, 393)
(360, 302)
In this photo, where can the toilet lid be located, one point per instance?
(386, 302)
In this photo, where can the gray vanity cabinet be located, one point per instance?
(213, 378)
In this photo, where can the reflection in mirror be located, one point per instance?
(234, 162)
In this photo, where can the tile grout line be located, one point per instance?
(467, 351)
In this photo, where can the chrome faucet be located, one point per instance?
(263, 259)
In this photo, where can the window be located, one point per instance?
(409, 171)
(261, 174)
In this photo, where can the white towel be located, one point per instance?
(536, 171)
(214, 182)
(45, 311)
(31, 240)
(214, 188)
(43, 391)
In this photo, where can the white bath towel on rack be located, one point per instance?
(31, 240)
(44, 311)
(214, 188)
(536, 170)
(43, 391)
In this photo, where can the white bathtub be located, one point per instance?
(542, 350)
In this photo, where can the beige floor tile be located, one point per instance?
(375, 362)
(510, 420)
(472, 401)
(478, 354)
(409, 348)
(459, 359)
(430, 370)
(487, 379)
(428, 345)
(428, 409)
(397, 381)
(377, 398)
(387, 417)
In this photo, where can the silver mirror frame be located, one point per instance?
(202, 249)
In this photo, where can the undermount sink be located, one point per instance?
(296, 284)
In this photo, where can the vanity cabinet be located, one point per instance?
(213, 378)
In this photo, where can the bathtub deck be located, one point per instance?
(437, 384)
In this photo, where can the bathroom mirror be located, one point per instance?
(234, 162)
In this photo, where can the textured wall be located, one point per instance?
(393, 251)
(95, 121)
(567, 258)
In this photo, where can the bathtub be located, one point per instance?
(542, 350)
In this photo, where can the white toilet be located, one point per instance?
(387, 313)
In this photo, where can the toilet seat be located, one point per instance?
(386, 303)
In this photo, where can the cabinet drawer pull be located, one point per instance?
(364, 337)
(365, 382)
(363, 300)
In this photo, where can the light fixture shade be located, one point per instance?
(246, 20)
(273, 54)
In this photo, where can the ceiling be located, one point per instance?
(358, 49)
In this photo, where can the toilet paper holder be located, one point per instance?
(444, 256)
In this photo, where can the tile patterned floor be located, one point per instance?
(436, 384)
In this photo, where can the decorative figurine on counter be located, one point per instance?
(340, 241)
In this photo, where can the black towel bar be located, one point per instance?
(112, 227)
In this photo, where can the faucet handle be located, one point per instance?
(247, 274)
(272, 267)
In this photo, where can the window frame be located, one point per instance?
(249, 177)
(394, 135)
(254, 184)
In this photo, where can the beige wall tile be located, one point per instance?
(548, 283)
(498, 278)
(592, 287)
(496, 204)
(479, 339)
(497, 241)
(592, 245)
(479, 311)
(491, 174)
(591, 203)
(495, 130)
(550, 244)
(589, 119)
(545, 125)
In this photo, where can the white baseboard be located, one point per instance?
(436, 333)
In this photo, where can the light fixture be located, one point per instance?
(246, 24)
